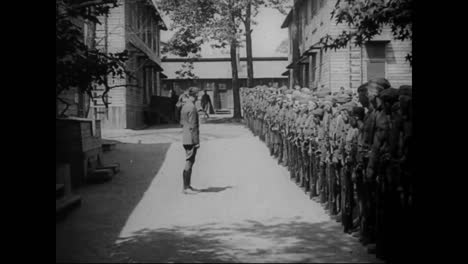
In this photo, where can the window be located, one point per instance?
(320, 66)
(313, 68)
(322, 3)
(153, 38)
(314, 6)
(306, 75)
(148, 29)
(138, 20)
(376, 60)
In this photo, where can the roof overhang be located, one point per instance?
(313, 49)
(286, 73)
(291, 65)
(287, 20)
(161, 23)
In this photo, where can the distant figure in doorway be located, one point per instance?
(190, 135)
(174, 98)
(206, 104)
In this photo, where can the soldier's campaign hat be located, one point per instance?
(289, 91)
(348, 107)
(303, 101)
(318, 112)
(327, 103)
(296, 93)
(358, 112)
(343, 98)
(362, 88)
(305, 90)
(382, 82)
(405, 90)
(322, 93)
(389, 95)
(312, 104)
(374, 88)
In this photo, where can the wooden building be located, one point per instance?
(134, 26)
(214, 76)
(309, 65)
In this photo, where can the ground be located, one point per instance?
(247, 210)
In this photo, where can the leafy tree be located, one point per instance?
(80, 64)
(221, 22)
(283, 47)
(367, 18)
(200, 21)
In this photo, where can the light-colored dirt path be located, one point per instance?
(249, 209)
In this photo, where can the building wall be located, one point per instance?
(78, 143)
(345, 67)
(133, 26)
(223, 86)
(70, 96)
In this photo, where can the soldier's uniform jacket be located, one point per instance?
(190, 124)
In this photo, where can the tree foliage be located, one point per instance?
(221, 23)
(196, 22)
(78, 64)
(367, 18)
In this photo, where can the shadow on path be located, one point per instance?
(214, 189)
(248, 241)
(88, 233)
(223, 120)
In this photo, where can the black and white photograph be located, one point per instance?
(234, 131)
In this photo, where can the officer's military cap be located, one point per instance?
(193, 91)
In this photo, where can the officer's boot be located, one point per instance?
(184, 176)
(189, 180)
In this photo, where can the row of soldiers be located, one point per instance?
(349, 150)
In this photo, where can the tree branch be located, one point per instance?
(67, 105)
(92, 3)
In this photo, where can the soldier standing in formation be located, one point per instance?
(351, 152)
